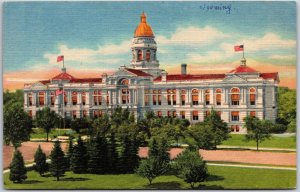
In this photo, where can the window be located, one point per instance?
(159, 98)
(195, 115)
(125, 96)
(146, 97)
(154, 97)
(96, 113)
(174, 114)
(169, 114)
(252, 96)
(148, 55)
(183, 97)
(159, 114)
(206, 114)
(140, 55)
(125, 82)
(107, 99)
(74, 98)
(235, 116)
(65, 98)
(97, 97)
(195, 96)
(30, 113)
(52, 98)
(207, 97)
(30, 99)
(171, 96)
(219, 113)
(235, 96)
(182, 114)
(235, 128)
(41, 98)
(84, 113)
(252, 114)
(83, 98)
(218, 96)
(74, 114)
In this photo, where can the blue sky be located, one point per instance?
(97, 35)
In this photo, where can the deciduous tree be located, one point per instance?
(46, 119)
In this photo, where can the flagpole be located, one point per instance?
(243, 51)
(63, 106)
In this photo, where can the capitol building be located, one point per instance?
(145, 86)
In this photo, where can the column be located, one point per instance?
(25, 99)
(212, 96)
(178, 99)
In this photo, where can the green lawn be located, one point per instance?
(222, 178)
(39, 133)
(273, 142)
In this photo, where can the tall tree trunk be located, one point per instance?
(57, 178)
(47, 136)
(256, 144)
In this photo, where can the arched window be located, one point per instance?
(174, 96)
(52, 98)
(235, 96)
(235, 116)
(207, 96)
(183, 93)
(171, 96)
(148, 54)
(159, 97)
(125, 82)
(140, 55)
(74, 98)
(97, 97)
(42, 98)
(218, 96)
(195, 96)
(195, 115)
(30, 99)
(252, 96)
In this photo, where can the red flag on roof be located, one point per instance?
(60, 58)
(239, 48)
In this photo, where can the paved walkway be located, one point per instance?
(254, 148)
(252, 166)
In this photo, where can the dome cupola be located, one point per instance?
(143, 29)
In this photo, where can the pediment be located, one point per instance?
(123, 73)
(38, 85)
(234, 78)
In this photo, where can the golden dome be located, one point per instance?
(143, 30)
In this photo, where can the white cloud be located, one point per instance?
(192, 36)
(115, 49)
(283, 57)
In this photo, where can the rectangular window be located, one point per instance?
(182, 114)
(174, 99)
(235, 99)
(65, 99)
(30, 99)
(235, 128)
(218, 99)
(252, 114)
(169, 114)
(252, 99)
(83, 98)
(206, 114)
(235, 116)
(169, 99)
(84, 113)
(195, 99)
(195, 115)
(182, 99)
(107, 100)
(174, 114)
(159, 99)
(207, 99)
(146, 100)
(154, 99)
(159, 114)
(219, 113)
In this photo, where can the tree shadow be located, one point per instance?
(210, 187)
(214, 178)
(31, 182)
(74, 179)
(164, 185)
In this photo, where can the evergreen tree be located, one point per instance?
(69, 152)
(98, 158)
(190, 167)
(17, 168)
(79, 158)
(41, 165)
(153, 149)
(163, 147)
(58, 162)
(113, 155)
(129, 158)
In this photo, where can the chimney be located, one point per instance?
(183, 69)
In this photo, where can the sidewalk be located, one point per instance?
(254, 148)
